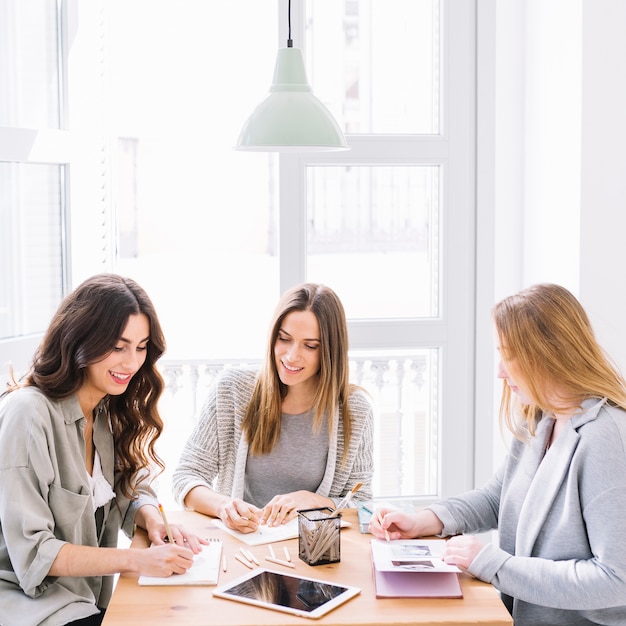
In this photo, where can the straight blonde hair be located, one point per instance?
(546, 332)
(262, 420)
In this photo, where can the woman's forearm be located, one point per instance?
(205, 500)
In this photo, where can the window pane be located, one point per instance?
(376, 63)
(373, 233)
(403, 387)
(196, 219)
(29, 84)
(31, 247)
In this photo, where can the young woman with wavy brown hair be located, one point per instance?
(77, 448)
(293, 435)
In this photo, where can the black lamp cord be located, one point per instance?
(289, 40)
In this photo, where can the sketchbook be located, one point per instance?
(413, 569)
(204, 571)
(267, 534)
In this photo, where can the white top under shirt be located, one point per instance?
(297, 461)
(101, 491)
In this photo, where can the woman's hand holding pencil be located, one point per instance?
(390, 523)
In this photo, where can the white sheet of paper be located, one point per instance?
(267, 534)
(204, 571)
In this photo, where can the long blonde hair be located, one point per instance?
(545, 331)
(261, 423)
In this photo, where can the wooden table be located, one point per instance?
(132, 605)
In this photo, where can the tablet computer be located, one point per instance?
(290, 593)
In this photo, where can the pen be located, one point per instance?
(287, 555)
(271, 549)
(224, 564)
(167, 526)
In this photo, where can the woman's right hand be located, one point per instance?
(239, 515)
(389, 523)
(163, 560)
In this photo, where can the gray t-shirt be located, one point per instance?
(298, 461)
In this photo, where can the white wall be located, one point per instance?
(552, 171)
(603, 173)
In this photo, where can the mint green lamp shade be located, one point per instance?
(291, 118)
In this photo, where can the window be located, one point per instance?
(391, 222)
(33, 175)
(216, 235)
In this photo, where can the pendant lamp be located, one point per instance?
(291, 118)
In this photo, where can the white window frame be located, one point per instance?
(454, 152)
(40, 146)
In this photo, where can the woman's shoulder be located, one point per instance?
(28, 406)
(359, 400)
(24, 398)
(241, 379)
(238, 374)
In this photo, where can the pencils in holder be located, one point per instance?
(168, 530)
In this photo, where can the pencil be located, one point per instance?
(379, 518)
(168, 530)
(246, 563)
(287, 555)
(280, 562)
(271, 549)
(245, 555)
(224, 564)
(251, 557)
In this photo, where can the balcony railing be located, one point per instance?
(403, 388)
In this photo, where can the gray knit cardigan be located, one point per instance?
(215, 453)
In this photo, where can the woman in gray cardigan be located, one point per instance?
(296, 435)
(559, 499)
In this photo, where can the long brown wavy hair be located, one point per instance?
(262, 420)
(84, 330)
(546, 332)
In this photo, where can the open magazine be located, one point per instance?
(413, 568)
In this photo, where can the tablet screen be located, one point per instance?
(294, 594)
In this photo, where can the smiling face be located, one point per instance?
(297, 350)
(111, 375)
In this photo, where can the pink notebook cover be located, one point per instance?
(417, 584)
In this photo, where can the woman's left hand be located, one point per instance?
(182, 537)
(461, 550)
(284, 507)
(149, 518)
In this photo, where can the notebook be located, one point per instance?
(413, 569)
(204, 571)
(267, 534)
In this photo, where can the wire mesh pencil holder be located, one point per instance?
(319, 536)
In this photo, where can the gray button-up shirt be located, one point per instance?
(45, 501)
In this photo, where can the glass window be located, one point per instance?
(403, 386)
(373, 233)
(29, 84)
(196, 220)
(376, 63)
(32, 255)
